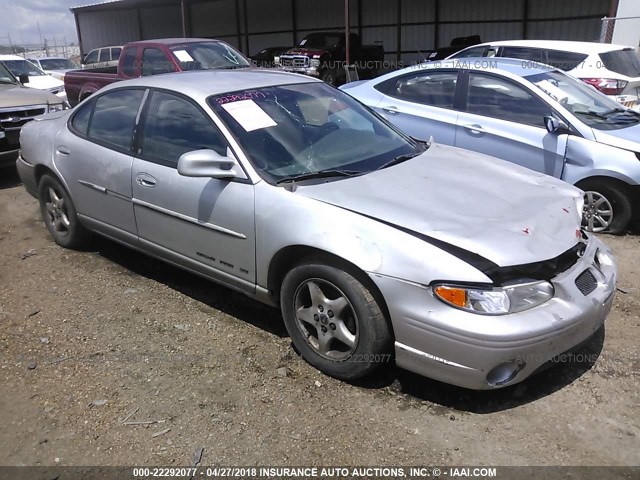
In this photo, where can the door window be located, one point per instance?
(105, 55)
(154, 62)
(129, 62)
(174, 126)
(495, 97)
(471, 52)
(436, 89)
(92, 57)
(524, 53)
(80, 120)
(114, 118)
(115, 53)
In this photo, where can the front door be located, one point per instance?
(205, 224)
(505, 120)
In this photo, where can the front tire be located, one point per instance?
(607, 207)
(334, 321)
(59, 214)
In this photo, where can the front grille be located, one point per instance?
(586, 282)
(295, 62)
(14, 118)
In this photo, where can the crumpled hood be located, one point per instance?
(503, 212)
(310, 52)
(627, 138)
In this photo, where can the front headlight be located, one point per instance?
(56, 107)
(276, 60)
(498, 300)
(315, 63)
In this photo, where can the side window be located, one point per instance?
(471, 52)
(92, 57)
(115, 53)
(436, 89)
(524, 53)
(154, 62)
(174, 126)
(80, 120)
(494, 97)
(114, 118)
(565, 60)
(105, 55)
(129, 62)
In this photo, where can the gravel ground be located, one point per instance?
(95, 342)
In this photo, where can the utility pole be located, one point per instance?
(40, 33)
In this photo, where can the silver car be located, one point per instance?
(376, 247)
(523, 112)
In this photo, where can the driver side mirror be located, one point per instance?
(207, 163)
(553, 125)
(23, 78)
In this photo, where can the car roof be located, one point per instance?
(215, 82)
(521, 68)
(570, 46)
(176, 41)
(11, 57)
(48, 58)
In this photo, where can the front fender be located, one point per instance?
(586, 159)
(285, 219)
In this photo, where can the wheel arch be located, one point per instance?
(288, 257)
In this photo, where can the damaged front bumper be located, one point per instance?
(485, 352)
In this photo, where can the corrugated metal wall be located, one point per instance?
(425, 24)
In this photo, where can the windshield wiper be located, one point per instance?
(400, 159)
(234, 67)
(320, 174)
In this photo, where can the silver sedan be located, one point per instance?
(376, 247)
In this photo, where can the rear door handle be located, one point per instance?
(63, 151)
(145, 180)
(474, 128)
(391, 110)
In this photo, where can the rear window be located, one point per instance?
(625, 62)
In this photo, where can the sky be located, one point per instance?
(20, 19)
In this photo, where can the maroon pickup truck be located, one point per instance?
(152, 57)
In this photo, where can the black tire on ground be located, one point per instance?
(59, 214)
(370, 338)
(620, 200)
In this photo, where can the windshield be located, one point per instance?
(592, 107)
(322, 40)
(5, 75)
(207, 56)
(20, 67)
(293, 130)
(58, 64)
(625, 62)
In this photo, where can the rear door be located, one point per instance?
(506, 120)
(205, 224)
(95, 158)
(422, 104)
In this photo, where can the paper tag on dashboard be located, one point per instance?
(249, 115)
(183, 56)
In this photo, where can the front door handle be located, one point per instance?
(63, 151)
(474, 128)
(391, 110)
(145, 180)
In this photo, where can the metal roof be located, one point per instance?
(110, 4)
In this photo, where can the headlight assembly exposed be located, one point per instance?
(56, 107)
(498, 300)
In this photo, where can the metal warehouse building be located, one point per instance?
(402, 26)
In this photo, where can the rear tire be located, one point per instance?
(59, 214)
(603, 196)
(334, 321)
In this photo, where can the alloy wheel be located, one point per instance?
(326, 318)
(57, 215)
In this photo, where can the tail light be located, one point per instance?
(608, 86)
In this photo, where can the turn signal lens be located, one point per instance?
(456, 296)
